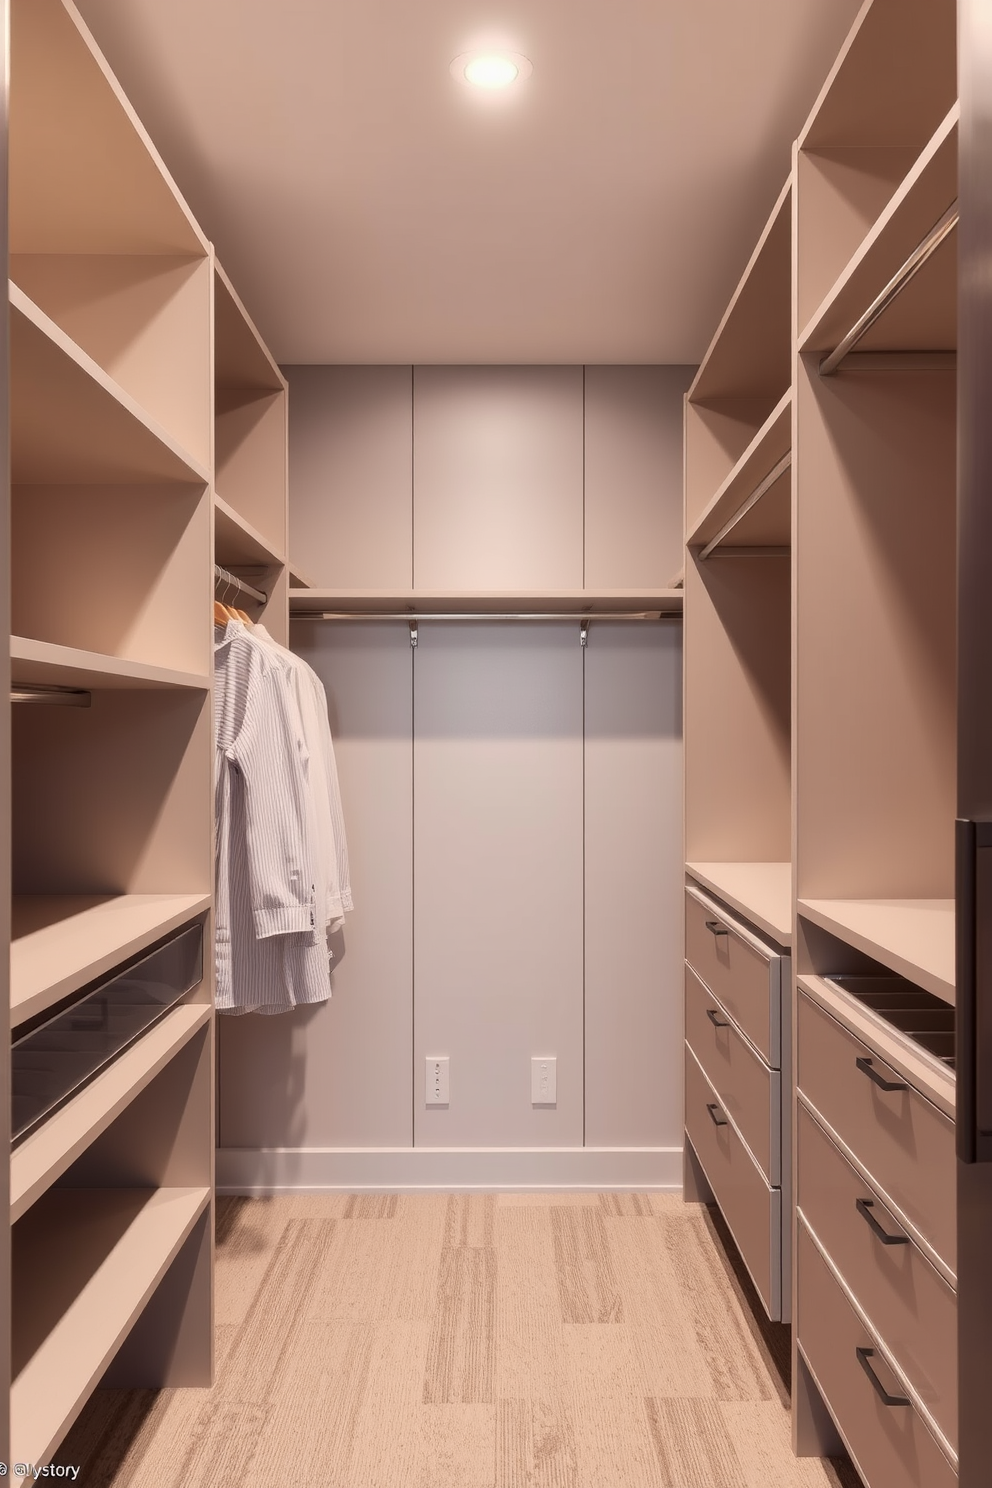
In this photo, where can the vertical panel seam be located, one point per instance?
(584, 651)
(413, 897)
(583, 495)
(413, 482)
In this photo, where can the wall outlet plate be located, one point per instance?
(544, 1080)
(437, 1079)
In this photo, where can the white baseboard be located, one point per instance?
(273, 1170)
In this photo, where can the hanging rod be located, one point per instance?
(583, 617)
(752, 500)
(895, 286)
(223, 576)
(64, 697)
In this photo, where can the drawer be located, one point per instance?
(752, 1209)
(748, 1090)
(903, 1141)
(909, 1303)
(738, 968)
(891, 1445)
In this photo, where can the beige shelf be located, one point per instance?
(71, 424)
(50, 665)
(750, 354)
(60, 942)
(914, 937)
(241, 358)
(298, 579)
(85, 1263)
(924, 316)
(46, 1154)
(761, 892)
(84, 174)
(548, 601)
(769, 521)
(237, 542)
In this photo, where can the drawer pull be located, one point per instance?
(712, 1107)
(715, 1018)
(715, 928)
(867, 1068)
(864, 1208)
(864, 1355)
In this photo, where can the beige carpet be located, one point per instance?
(468, 1341)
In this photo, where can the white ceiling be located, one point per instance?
(370, 208)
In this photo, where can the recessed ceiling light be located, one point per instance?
(491, 70)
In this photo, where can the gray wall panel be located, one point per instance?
(497, 477)
(498, 879)
(350, 452)
(633, 851)
(633, 439)
(339, 1076)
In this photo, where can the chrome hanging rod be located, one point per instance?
(895, 286)
(240, 586)
(59, 697)
(582, 617)
(752, 500)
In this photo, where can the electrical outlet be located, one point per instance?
(437, 1079)
(544, 1080)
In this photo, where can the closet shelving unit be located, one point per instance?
(411, 603)
(111, 433)
(251, 523)
(738, 437)
(875, 738)
(738, 527)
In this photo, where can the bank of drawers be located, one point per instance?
(876, 1200)
(733, 1083)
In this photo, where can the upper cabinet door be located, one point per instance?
(497, 463)
(633, 475)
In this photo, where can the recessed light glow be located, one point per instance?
(491, 70)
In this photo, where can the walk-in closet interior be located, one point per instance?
(573, 1067)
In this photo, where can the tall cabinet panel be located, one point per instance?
(633, 869)
(497, 468)
(498, 893)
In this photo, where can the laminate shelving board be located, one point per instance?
(548, 601)
(769, 521)
(236, 541)
(241, 359)
(103, 187)
(75, 1302)
(61, 942)
(46, 1154)
(914, 937)
(71, 424)
(50, 665)
(925, 194)
(749, 353)
(761, 892)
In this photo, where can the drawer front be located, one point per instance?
(900, 1137)
(748, 1090)
(737, 969)
(751, 1208)
(909, 1303)
(891, 1445)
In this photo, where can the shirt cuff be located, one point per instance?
(283, 920)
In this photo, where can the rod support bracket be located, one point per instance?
(414, 635)
(584, 633)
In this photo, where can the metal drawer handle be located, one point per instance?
(864, 1208)
(716, 928)
(712, 1107)
(867, 1068)
(864, 1354)
(715, 1018)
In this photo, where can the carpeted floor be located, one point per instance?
(468, 1341)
